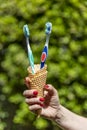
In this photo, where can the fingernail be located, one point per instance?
(35, 93)
(46, 86)
(41, 99)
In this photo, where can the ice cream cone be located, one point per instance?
(38, 80)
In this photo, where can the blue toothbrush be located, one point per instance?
(45, 50)
(30, 55)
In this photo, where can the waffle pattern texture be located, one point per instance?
(38, 80)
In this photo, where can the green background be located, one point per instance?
(67, 59)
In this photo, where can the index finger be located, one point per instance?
(30, 93)
(27, 81)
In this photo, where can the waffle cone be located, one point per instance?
(38, 80)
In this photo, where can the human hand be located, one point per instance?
(49, 104)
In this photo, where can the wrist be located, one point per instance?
(59, 115)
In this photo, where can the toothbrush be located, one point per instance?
(45, 50)
(30, 55)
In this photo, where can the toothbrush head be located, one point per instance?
(26, 30)
(48, 28)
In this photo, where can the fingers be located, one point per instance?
(51, 90)
(30, 93)
(33, 101)
(34, 107)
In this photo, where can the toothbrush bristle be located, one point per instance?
(48, 28)
(26, 30)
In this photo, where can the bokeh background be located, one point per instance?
(67, 60)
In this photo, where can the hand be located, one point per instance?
(49, 104)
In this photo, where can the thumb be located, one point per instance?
(51, 90)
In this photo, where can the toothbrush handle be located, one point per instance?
(44, 56)
(30, 55)
(44, 52)
(31, 60)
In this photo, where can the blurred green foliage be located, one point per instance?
(67, 60)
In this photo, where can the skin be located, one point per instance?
(52, 109)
